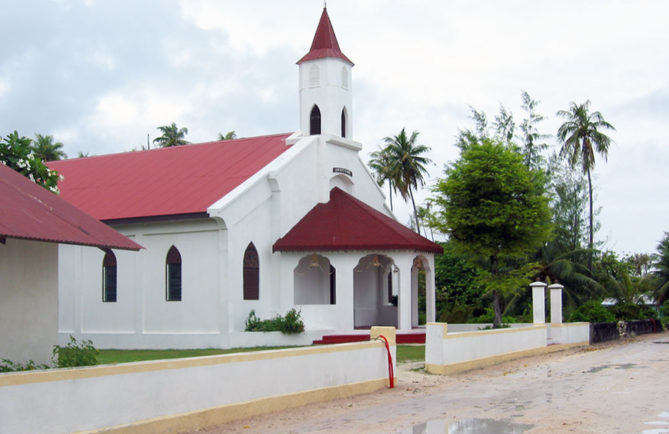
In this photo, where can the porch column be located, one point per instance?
(345, 300)
(538, 302)
(430, 299)
(404, 263)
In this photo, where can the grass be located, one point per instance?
(410, 353)
(405, 353)
(126, 356)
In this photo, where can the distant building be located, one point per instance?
(33, 222)
(264, 223)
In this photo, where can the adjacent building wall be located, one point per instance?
(29, 294)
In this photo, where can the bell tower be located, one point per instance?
(325, 85)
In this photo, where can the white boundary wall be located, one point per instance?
(224, 387)
(445, 352)
(569, 333)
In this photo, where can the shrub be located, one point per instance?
(75, 354)
(592, 311)
(9, 366)
(665, 308)
(626, 311)
(290, 324)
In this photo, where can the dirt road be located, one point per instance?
(615, 388)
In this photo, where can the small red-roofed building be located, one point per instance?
(262, 224)
(33, 222)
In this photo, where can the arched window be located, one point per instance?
(314, 76)
(109, 277)
(315, 121)
(343, 122)
(333, 285)
(251, 273)
(344, 77)
(173, 275)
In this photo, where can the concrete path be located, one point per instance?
(611, 388)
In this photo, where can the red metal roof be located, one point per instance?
(28, 211)
(346, 223)
(325, 42)
(164, 182)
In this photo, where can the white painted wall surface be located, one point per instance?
(29, 294)
(105, 396)
(569, 333)
(443, 348)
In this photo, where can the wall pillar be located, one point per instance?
(556, 303)
(404, 293)
(538, 302)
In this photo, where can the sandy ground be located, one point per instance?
(608, 388)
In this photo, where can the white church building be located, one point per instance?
(264, 223)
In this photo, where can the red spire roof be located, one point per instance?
(164, 182)
(346, 223)
(28, 211)
(325, 42)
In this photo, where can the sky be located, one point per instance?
(102, 75)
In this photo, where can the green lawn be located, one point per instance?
(405, 353)
(126, 356)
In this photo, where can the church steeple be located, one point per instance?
(325, 84)
(325, 42)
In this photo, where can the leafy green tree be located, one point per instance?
(661, 272)
(46, 149)
(492, 206)
(172, 136)
(532, 140)
(230, 135)
(409, 163)
(592, 311)
(17, 152)
(582, 139)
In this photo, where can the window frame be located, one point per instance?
(109, 268)
(173, 270)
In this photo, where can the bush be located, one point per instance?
(626, 311)
(9, 366)
(592, 311)
(290, 324)
(664, 310)
(75, 354)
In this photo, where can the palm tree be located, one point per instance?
(172, 136)
(230, 135)
(408, 165)
(661, 272)
(380, 162)
(581, 139)
(45, 149)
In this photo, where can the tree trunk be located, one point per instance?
(496, 304)
(415, 214)
(390, 193)
(497, 307)
(591, 243)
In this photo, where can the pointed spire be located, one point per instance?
(325, 42)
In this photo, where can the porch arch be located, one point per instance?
(315, 281)
(373, 290)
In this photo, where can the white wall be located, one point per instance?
(106, 396)
(569, 333)
(29, 294)
(443, 348)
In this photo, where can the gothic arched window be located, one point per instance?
(109, 277)
(343, 122)
(251, 273)
(173, 275)
(315, 121)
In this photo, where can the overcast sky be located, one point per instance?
(101, 75)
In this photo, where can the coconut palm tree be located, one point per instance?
(45, 149)
(230, 135)
(380, 162)
(581, 139)
(172, 136)
(661, 272)
(408, 165)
